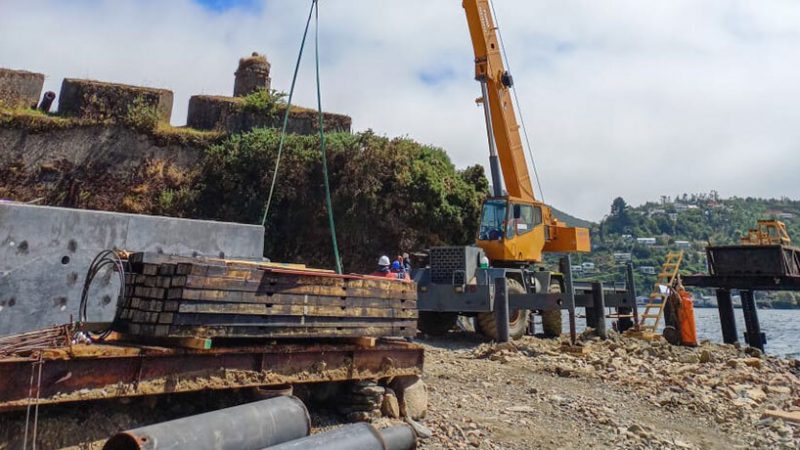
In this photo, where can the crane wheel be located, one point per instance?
(551, 320)
(436, 323)
(517, 320)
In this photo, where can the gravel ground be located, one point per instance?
(622, 393)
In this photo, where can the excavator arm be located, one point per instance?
(516, 228)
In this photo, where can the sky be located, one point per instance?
(623, 98)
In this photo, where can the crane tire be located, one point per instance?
(436, 323)
(517, 320)
(551, 320)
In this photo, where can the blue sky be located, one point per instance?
(622, 97)
(225, 5)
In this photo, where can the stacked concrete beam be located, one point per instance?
(45, 253)
(97, 100)
(20, 88)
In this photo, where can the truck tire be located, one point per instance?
(551, 320)
(517, 320)
(436, 323)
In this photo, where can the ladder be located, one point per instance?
(654, 309)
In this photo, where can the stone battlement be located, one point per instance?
(20, 88)
(97, 100)
(106, 101)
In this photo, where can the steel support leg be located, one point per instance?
(599, 307)
(726, 317)
(501, 309)
(566, 269)
(753, 336)
(630, 287)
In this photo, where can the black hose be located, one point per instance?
(103, 260)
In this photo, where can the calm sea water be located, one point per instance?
(782, 327)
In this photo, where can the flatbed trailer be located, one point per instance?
(117, 369)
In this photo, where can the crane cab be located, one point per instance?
(516, 232)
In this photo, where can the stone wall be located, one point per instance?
(20, 88)
(98, 100)
(114, 148)
(230, 114)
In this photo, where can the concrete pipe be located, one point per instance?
(250, 426)
(361, 436)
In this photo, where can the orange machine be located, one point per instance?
(516, 228)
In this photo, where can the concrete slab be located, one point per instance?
(45, 253)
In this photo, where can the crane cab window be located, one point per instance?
(493, 220)
(526, 218)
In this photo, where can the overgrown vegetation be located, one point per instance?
(389, 195)
(267, 101)
(142, 116)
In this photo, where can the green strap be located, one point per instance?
(315, 12)
(286, 116)
(328, 202)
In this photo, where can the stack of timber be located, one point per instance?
(178, 297)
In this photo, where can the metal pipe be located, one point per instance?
(726, 317)
(361, 436)
(249, 426)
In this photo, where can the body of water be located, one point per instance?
(782, 327)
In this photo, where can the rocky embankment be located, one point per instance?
(619, 393)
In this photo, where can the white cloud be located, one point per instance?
(621, 97)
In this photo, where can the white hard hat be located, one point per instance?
(383, 261)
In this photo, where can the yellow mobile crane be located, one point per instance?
(516, 228)
(530, 227)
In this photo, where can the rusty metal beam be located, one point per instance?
(109, 371)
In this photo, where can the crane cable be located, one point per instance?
(286, 117)
(313, 12)
(328, 203)
(516, 100)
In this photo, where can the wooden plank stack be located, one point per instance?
(178, 297)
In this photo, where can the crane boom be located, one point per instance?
(515, 228)
(491, 72)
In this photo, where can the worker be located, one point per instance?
(407, 262)
(399, 271)
(383, 269)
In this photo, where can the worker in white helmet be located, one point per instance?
(383, 270)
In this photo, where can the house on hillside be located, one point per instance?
(683, 245)
(646, 241)
(587, 267)
(622, 257)
(647, 270)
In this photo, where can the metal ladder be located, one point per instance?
(654, 309)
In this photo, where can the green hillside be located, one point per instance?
(688, 222)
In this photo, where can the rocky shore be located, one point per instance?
(623, 392)
(620, 393)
